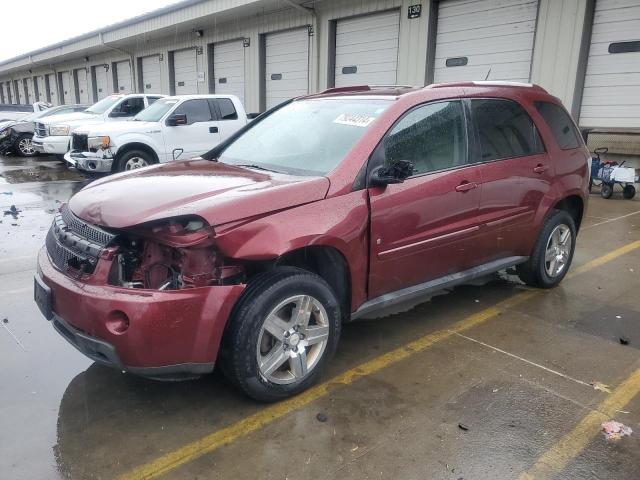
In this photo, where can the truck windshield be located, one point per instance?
(306, 137)
(104, 104)
(155, 111)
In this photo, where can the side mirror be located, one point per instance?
(397, 172)
(177, 119)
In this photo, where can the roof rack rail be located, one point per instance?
(362, 88)
(487, 83)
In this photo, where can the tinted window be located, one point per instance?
(561, 125)
(432, 137)
(226, 108)
(130, 106)
(195, 110)
(505, 130)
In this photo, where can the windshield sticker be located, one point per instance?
(354, 119)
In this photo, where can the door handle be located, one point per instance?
(213, 129)
(466, 186)
(540, 168)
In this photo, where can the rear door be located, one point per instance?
(227, 117)
(424, 228)
(200, 134)
(516, 176)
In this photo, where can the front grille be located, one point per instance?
(79, 142)
(73, 243)
(41, 130)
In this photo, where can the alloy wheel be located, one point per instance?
(135, 162)
(25, 146)
(558, 250)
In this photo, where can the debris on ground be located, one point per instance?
(13, 211)
(462, 426)
(600, 386)
(618, 316)
(615, 430)
(5, 320)
(322, 417)
(624, 340)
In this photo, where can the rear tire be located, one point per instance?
(24, 146)
(271, 349)
(607, 190)
(553, 252)
(132, 160)
(629, 192)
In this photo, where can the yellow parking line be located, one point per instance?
(227, 435)
(568, 447)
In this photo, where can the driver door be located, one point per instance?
(425, 227)
(199, 135)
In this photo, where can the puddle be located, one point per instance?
(41, 174)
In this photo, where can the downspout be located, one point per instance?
(134, 73)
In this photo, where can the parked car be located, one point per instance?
(326, 209)
(181, 126)
(13, 111)
(16, 135)
(54, 135)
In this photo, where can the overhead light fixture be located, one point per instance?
(198, 33)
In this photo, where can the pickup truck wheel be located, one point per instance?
(552, 254)
(283, 331)
(24, 147)
(132, 160)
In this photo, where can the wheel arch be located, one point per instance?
(574, 206)
(136, 146)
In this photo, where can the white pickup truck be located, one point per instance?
(183, 126)
(54, 135)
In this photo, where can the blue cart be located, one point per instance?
(604, 174)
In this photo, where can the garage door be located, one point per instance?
(102, 82)
(83, 85)
(185, 72)
(611, 96)
(7, 89)
(41, 90)
(286, 65)
(27, 85)
(50, 82)
(67, 90)
(485, 39)
(151, 74)
(123, 77)
(228, 69)
(367, 50)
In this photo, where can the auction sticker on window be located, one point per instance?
(354, 119)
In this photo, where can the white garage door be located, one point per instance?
(611, 96)
(485, 39)
(185, 71)
(83, 85)
(53, 90)
(42, 91)
(2, 97)
(20, 89)
(11, 98)
(27, 84)
(151, 74)
(286, 65)
(367, 50)
(102, 82)
(123, 77)
(228, 69)
(67, 89)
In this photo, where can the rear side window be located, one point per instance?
(561, 125)
(431, 136)
(226, 109)
(505, 130)
(195, 110)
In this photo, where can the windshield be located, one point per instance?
(155, 111)
(104, 104)
(307, 136)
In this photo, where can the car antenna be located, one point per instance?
(488, 73)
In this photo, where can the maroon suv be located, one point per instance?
(323, 210)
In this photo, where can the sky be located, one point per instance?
(48, 22)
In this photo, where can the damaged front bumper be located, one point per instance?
(7, 143)
(170, 335)
(97, 162)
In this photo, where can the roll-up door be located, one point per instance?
(123, 77)
(228, 68)
(286, 65)
(67, 89)
(367, 50)
(485, 39)
(50, 83)
(42, 91)
(611, 95)
(83, 85)
(27, 85)
(102, 82)
(2, 97)
(185, 71)
(151, 74)
(10, 96)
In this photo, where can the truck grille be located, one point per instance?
(73, 243)
(79, 142)
(41, 130)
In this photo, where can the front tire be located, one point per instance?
(24, 146)
(132, 160)
(607, 190)
(553, 252)
(282, 333)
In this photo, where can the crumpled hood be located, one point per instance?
(217, 192)
(68, 118)
(7, 123)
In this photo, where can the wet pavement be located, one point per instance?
(486, 402)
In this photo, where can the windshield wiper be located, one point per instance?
(257, 167)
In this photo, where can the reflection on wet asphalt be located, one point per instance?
(62, 416)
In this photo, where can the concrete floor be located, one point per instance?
(519, 392)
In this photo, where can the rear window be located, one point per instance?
(227, 110)
(561, 125)
(505, 130)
